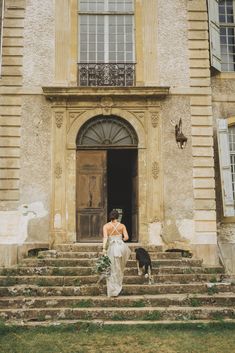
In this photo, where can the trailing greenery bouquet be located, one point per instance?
(103, 266)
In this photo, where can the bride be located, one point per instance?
(113, 245)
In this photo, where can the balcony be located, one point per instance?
(111, 74)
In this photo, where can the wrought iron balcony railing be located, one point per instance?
(101, 74)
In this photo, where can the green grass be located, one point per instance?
(83, 304)
(138, 304)
(194, 302)
(88, 338)
(212, 290)
(213, 279)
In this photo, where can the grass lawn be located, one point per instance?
(85, 338)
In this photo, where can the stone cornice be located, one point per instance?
(73, 92)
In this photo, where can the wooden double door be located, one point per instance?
(106, 180)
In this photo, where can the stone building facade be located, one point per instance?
(54, 184)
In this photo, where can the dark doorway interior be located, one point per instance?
(122, 187)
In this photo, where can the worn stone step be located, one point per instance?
(90, 262)
(95, 255)
(92, 279)
(166, 300)
(101, 323)
(97, 247)
(86, 271)
(117, 314)
(131, 289)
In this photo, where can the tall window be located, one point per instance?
(106, 36)
(227, 35)
(231, 134)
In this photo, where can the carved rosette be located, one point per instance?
(155, 170)
(58, 170)
(155, 119)
(106, 105)
(59, 119)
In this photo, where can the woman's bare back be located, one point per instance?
(115, 229)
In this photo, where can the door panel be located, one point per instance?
(134, 202)
(91, 195)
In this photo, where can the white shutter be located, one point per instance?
(225, 168)
(214, 33)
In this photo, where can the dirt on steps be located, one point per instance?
(60, 286)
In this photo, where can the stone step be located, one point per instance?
(95, 255)
(90, 262)
(118, 314)
(80, 280)
(97, 247)
(166, 300)
(101, 323)
(86, 271)
(131, 289)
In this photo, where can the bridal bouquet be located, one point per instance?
(103, 266)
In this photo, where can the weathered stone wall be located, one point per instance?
(39, 43)
(178, 184)
(223, 107)
(36, 164)
(173, 55)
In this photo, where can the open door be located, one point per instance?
(91, 199)
(134, 194)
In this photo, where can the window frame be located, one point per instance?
(106, 15)
(227, 25)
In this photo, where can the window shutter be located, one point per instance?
(214, 34)
(225, 168)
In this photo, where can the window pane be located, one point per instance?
(227, 34)
(116, 30)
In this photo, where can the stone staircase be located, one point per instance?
(59, 286)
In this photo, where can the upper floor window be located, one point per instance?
(106, 42)
(227, 37)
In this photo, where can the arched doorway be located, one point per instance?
(106, 176)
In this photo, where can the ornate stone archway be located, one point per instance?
(71, 109)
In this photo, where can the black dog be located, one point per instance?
(144, 261)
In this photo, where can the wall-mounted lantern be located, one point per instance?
(179, 136)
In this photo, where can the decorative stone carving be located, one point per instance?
(106, 104)
(72, 117)
(140, 115)
(155, 170)
(59, 119)
(155, 119)
(58, 170)
(155, 220)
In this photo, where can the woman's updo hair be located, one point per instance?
(113, 215)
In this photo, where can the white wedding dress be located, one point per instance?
(119, 253)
